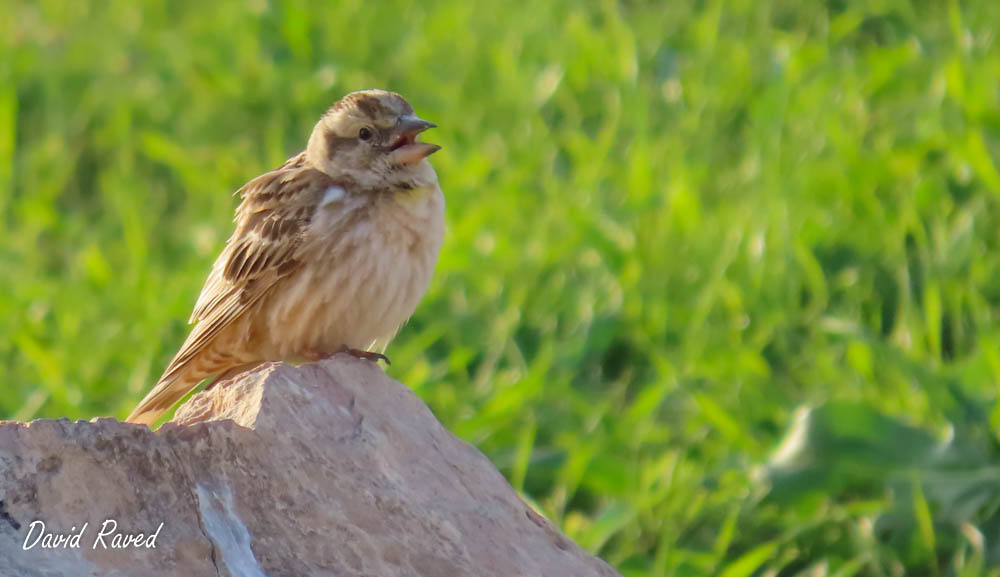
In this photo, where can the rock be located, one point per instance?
(330, 468)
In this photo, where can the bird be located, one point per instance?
(331, 252)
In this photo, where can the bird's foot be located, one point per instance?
(314, 356)
(367, 355)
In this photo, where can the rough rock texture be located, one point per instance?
(326, 469)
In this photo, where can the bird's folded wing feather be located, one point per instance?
(277, 208)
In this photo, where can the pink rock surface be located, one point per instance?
(330, 468)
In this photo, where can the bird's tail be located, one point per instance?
(164, 395)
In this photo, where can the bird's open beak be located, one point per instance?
(405, 149)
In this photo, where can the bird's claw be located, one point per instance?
(367, 355)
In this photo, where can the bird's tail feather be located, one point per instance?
(163, 396)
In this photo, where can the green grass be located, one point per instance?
(670, 227)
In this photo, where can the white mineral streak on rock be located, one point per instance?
(229, 535)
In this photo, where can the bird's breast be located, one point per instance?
(364, 272)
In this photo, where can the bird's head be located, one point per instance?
(370, 136)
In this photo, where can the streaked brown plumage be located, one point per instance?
(332, 251)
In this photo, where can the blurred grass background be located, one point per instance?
(719, 289)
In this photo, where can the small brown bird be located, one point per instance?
(331, 253)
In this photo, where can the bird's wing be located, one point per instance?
(277, 208)
(261, 190)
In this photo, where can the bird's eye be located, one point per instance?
(365, 133)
